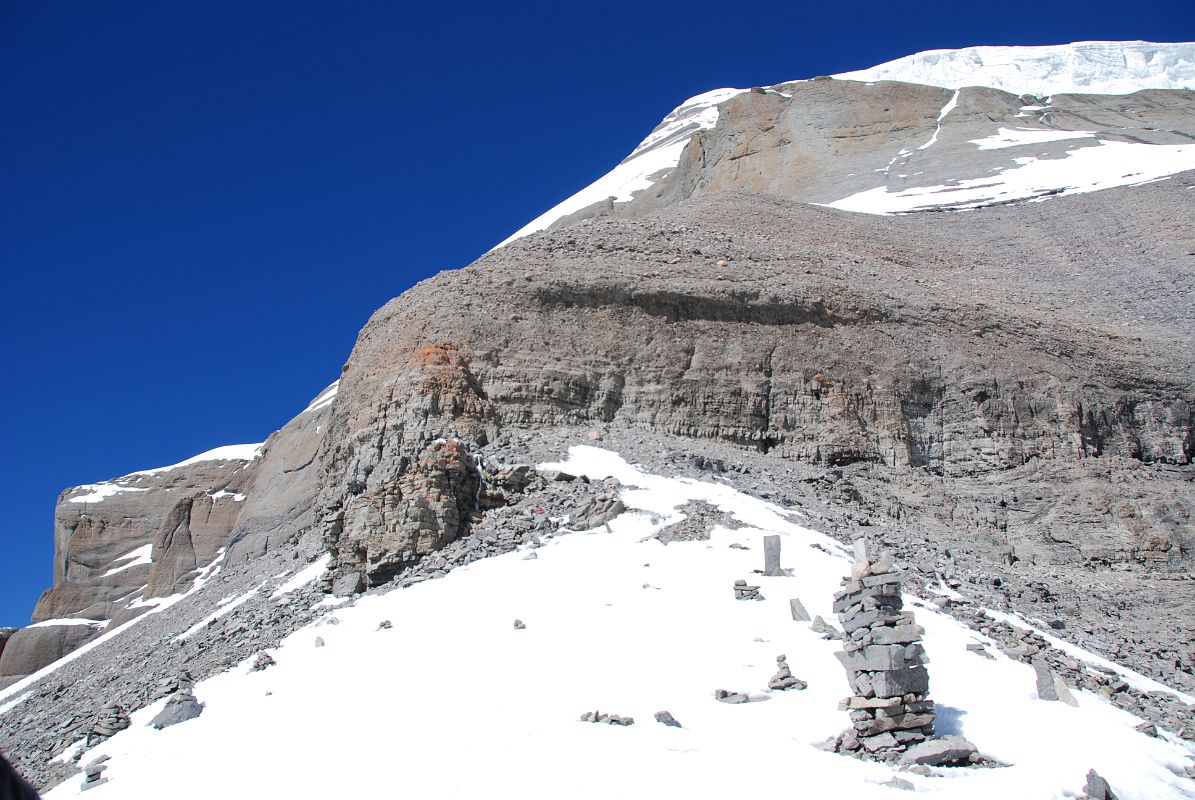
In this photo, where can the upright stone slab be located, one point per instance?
(884, 661)
(771, 556)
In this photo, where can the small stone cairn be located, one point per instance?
(885, 664)
(783, 680)
(111, 720)
(744, 592)
(181, 705)
(93, 773)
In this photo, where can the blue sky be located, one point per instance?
(202, 202)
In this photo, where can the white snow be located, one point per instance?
(96, 492)
(308, 574)
(946, 109)
(229, 452)
(660, 152)
(132, 558)
(1084, 169)
(54, 623)
(453, 702)
(324, 398)
(224, 609)
(237, 497)
(1015, 137)
(1081, 67)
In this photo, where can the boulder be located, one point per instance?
(941, 752)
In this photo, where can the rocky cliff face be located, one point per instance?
(939, 349)
(124, 544)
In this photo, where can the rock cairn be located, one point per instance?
(93, 773)
(783, 679)
(263, 661)
(111, 720)
(885, 664)
(744, 592)
(181, 705)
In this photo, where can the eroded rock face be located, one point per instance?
(147, 535)
(100, 532)
(953, 347)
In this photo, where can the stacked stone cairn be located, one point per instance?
(181, 705)
(93, 773)
(111, 720)
(783, 679)
(885, 664)
(742, 591)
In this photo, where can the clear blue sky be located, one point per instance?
(201, 202)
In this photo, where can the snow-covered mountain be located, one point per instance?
(1047, 145)
(541, 488)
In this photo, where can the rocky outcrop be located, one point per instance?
(122, 543)
(949, 349)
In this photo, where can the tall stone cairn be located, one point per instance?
(885, 664)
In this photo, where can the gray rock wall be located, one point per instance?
(924, 347)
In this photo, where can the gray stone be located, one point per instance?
(665, 718)
(1097, 788)
(940, 752)
(179, 708)
(895, 683)
(771, 556)
(798, 610)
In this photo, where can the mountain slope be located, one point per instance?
(863, 144)
(619, 621)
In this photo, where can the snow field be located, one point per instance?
(452, 701)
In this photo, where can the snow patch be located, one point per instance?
(308, 574)
(324, 398)
(54, 623)
(1085, 169)
(658, 153)
(229, 452)
(1015, 137)
(97, 492)
(139, 556)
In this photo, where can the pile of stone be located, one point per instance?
(93, 773)
(181, 682)
(263, 661)
(783, 680)
(609, 719)
(181, 705)
(111, 720)
(744, 592)
(595, 512)
(885, 663)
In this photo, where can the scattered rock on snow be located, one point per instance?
(666, 718)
